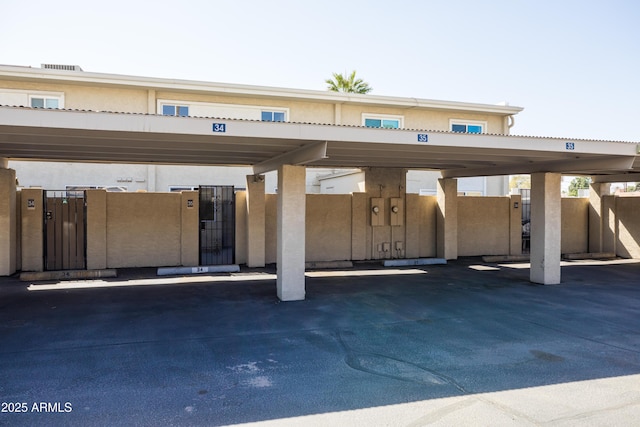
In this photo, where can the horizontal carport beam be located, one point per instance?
(63, 135)
(613, 163)
(303, 155)
(624, 177)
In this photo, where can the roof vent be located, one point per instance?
(61, 67)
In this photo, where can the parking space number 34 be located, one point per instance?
(219, 127)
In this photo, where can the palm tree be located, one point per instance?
(348, 84)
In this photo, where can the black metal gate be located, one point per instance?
(526, 220)
(64, 230)
(217, 225)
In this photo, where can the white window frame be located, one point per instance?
(35, 94)
(375, 116)
(467, 123)
(275, 110)
(46, 95)
(174, 104)
(190, 104)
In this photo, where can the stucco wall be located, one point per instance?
(421, 119)
(575, 225)
(328, 227)
(270, 220)
(306, 112)
(421, 215)
(96, 229)
(190, 230)
(143, 230)
(85, 97)
(241, 227)
(103, 98)
(628, 226)
(32, 230)
(337, 227)
(106, 99)
(7, 222)
(483, 226)
(159, 229)
(343, 184)
(609, 224)
(18, 230)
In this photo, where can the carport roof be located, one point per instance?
(88, 136)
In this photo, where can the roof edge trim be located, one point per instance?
(18, 72)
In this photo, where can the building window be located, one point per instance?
(468, 126)
(380, 121)
(175, 110)
(44, 102)
(273, 116)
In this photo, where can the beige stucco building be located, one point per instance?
(225, 175)
(79, 90)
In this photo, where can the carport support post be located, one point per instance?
(596, 218)
(8, 236)
(447, 220)
(255, 221)
(291, 232)
(545, 228)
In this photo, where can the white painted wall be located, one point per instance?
(161, 178)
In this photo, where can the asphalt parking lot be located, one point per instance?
(464, 343)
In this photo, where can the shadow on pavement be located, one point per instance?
(219, 352)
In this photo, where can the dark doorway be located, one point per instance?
(217, 225)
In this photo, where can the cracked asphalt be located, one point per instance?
(464, 343)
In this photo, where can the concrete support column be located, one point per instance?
(255, 221)
(8, 236)
(447, 221)
(291, 232)
(545, 228)
(4, 163)
(596, 217)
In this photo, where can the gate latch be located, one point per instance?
(49, 215)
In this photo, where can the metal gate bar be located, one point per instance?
(217, 225)
(526, 220)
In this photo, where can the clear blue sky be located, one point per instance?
(573, 65)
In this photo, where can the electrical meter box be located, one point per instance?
(396, 213)
(377, 212)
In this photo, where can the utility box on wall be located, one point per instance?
(396, 213)
(377, 212)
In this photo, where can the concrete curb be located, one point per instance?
(317, 265)
(68, 275)
(590, 255)
(410, 262)
(506, 258)
(168, 271)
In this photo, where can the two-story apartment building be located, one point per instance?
(69, 87)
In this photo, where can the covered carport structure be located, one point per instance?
(88, 136)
